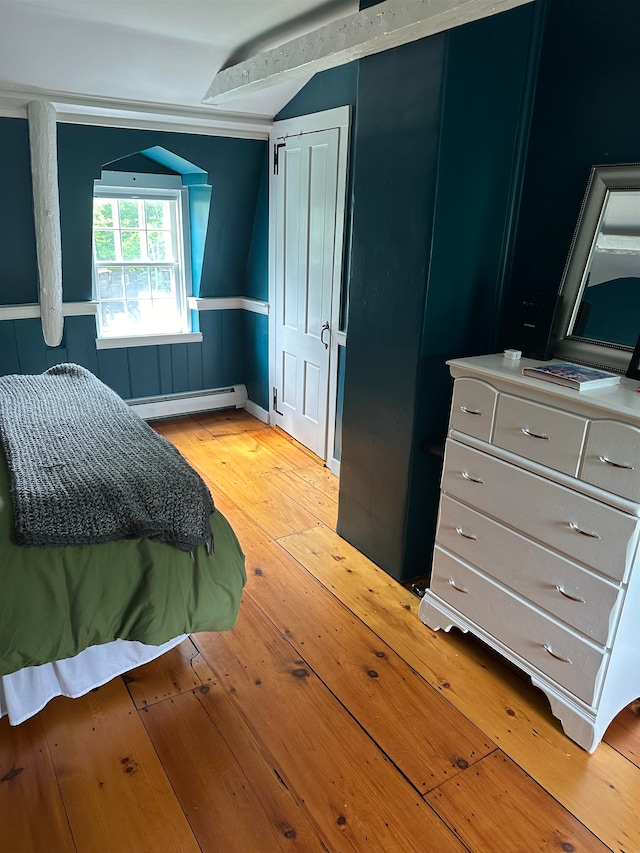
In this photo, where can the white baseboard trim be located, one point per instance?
(173, 405)
(257, 411)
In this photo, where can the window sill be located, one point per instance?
(148, 340)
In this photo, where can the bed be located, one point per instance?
(76, 613)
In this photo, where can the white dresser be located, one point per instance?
(537, 541)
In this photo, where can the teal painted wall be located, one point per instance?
(256, 326)
(336, 87)
(585, 114)
(425, 282)
(337, 440)
(395, 169)
(490, 70)
(257, 277)
(233, 165)
(18, 282)
(256, 357)
(235, 168)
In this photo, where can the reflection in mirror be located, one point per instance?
(609, 309)
(598, 320)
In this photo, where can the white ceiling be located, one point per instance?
(162, 53)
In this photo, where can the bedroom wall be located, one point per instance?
(530, 100)
(255, 327)
(434, 140)
(235, 168)
(424, 283)
(585, 114)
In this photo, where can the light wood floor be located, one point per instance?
(330, 718)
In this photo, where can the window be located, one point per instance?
(141, 253)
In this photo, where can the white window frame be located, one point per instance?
(133, 185)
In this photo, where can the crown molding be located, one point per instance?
(73, 109)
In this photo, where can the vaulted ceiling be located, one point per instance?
(153, 52)
(199, 60)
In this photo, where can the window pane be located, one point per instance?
(137, 313)
(162, 282)
(110, 284)
(152, 318)
(137, 280)
(131, 246)
(157, 214)
(113, 318)
(102, 214)
(129, 213)
(105, 245)
(165, 317)
(159, 246)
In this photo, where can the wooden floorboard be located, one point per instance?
(485, 805)
(116, 793)
(599, 789)
(352, 794)
(373, 683)
(210, 784)
(32, 813)
(329, 718)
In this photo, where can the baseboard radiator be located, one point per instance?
(172, 405)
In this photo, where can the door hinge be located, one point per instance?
(275, 401)
(276, 155)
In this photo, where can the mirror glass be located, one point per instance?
(598, 317)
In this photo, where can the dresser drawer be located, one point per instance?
(473, 408)
(611, 458)
(577, 526)
(537, 432)
(547, 646)
(572, 594)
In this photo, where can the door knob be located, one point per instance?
(325, 328)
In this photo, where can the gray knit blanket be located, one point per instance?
(85, 469)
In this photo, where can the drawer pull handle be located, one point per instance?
(615, 464)
(583, 532)
(468, 476)
(469, 411)
(569, 596)
(461, 532)
(553, 654)
(459, 588)
(528, 432)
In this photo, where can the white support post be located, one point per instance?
(46, 214)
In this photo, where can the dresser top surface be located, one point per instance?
(615, 401)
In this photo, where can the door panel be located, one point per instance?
(306, 197)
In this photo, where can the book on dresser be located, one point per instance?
(572, 375)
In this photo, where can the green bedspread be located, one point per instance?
(56, 601)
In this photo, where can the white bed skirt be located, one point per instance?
(24, 693)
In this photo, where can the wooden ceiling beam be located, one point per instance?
(381, 27)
